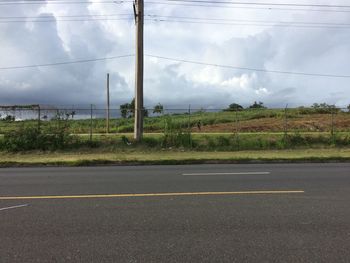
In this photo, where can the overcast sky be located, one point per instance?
(317, 49)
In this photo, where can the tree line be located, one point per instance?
(127, 109)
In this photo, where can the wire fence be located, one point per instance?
(92, 120)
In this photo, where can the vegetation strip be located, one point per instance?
(98, 162)
(234, 129)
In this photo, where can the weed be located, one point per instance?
(174, 135)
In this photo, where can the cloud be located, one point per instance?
(174, 84)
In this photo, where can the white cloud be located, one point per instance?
(315, 50)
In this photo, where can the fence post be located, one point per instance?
(189, 125)
(58, 118)
(189, 117)
(237, 129)
(285, 122)
(39, 117)
(90, 122)
(164, 121)
(332, 124)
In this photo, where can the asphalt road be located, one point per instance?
(205, 213)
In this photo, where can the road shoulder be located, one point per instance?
(86, 158)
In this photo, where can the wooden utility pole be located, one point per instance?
(138, 126)
(107, 119)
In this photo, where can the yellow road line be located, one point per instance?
(149, 195)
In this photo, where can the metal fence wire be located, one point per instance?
(90, 120)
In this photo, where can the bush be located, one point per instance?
(234, 107)
(30, 138)
(295, 140)
(324, 108)
(304, 111)
(257, 105)
(21, 140)
(174, 135)
(151, 142)
(178, 139)
(223, 141)
(262, 114)
(8, 118)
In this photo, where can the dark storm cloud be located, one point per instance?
(175, 84)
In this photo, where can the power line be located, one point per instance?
(177, 60)
(193, 21)
(91, 17)
(211, 4)
(207, 2)
(65, 62)
(62, 2)
(65, 20)
(247, 7)
(260, 3)
(250, 24)
(246, 20)
(62, 16)
(250, 69)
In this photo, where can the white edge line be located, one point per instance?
(241, 173)
(12, 207)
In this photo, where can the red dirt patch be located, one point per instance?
(308, 123)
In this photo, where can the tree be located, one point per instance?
(257, 105)
(234, 107)
(324, 108)
(132, 105)
(158, 108)
(348, 107)
(132, 109)
(124, 109)
(9, 118)
(127, 110)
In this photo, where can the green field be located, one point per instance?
(151, 124)
(251, 120)
(259, 129)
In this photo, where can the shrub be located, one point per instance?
(151, 142)
(30, 138)
(8, 118)
(303, 110)
(324, 108)
(125, 140)
(127, 110)
(223, 141)
(257, 105)
(158, 108)
(21, 140)
(234, 107)
(174, 135)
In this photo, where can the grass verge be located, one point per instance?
(86, 158)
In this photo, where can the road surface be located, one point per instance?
(193, 213)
